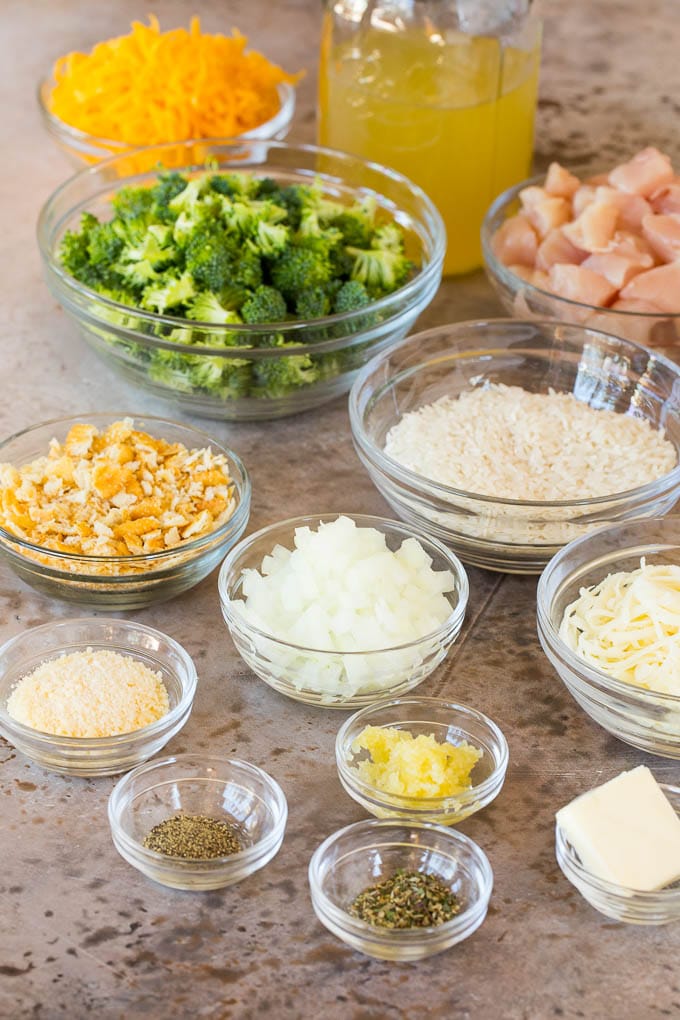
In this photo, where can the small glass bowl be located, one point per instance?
(96, 756)
(644, 718)
(366, 677)
(227, 789)
(512, 535)
(632, 906)
(447, 722)
(80, 147)
(122, 582)
(524, 300)
(364, 854)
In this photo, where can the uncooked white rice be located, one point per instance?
(503, 441)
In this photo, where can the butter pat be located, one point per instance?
(626, 831)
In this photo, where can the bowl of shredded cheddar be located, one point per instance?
(153, 87)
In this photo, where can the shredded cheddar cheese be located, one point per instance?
(150, 87)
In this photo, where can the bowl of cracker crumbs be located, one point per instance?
(93, 696)
(119, 513)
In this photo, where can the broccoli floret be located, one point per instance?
(354, 229)
(206, 307)
(290, 199)
(265, 305)
(297, 268)
(73, 250)
(388, 237)
(350, 297)
(270, 238)
(103, 245)
(169, 292)
(209, 256)
(275, 377)
(133, 203)
(312, 303)
(381, 270)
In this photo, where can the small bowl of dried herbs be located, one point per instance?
(197, 822)
(400, 891)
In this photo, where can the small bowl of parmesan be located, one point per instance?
(421, 758)
(93, 696)
(342, 611)
(609, 622)
(507, 439)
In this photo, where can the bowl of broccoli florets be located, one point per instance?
(254, 282)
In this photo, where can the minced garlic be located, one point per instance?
(410, 766)
(89, 694)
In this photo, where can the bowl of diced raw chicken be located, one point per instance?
(600, 250)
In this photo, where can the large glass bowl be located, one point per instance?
(81, 147)
(226, 789)
(96, 756)
(621, 903)
(212, 375)
(122, 582)
(366, 853)
(643, 718)
(505, 534)
(357, 678)
(525, 301)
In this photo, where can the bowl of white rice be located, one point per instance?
(507, 439)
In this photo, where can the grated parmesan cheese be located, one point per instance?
(628, 626)
(505, 442)
(89, 694)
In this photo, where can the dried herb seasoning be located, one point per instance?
(407, 899)
(198, 837)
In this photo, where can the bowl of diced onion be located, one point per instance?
(483, 435)
(342, 611)
(608, 621)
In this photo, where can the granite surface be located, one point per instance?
(84, 934)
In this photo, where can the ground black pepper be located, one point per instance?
(198, 837)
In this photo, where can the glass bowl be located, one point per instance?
(213, 370)
(360, 678)
(641, 717)
(621, 903)
(122, 582)
(227, 789)
(525, 301)
(96, 756)
(505, 534)
(80, 147)
(448, 723)
(363, 854)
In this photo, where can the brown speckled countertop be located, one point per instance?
(82, 933)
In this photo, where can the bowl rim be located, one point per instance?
(404, 296)
(241, 510)
(497, 268)
(277, 803)
(374, 933)
(453, 621)
(397, 801)
(57, 126)
(460, 350)
(565, 854)
(65, 744)
(583, 671)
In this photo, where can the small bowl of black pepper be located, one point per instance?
(197, 822)
(400, 891)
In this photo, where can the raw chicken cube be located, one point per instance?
(644, 174)
(557, 248)
(560, 182)
(578, 284)
(618, 269)
(659, 286)
(667, 200)
(543, 210)
(515, 242)
(632, 208)
(582, 199)
(663, 234)
(594, 228)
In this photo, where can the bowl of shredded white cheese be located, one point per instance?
(508, 439)
(609, 622)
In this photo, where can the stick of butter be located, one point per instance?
(625, 831)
